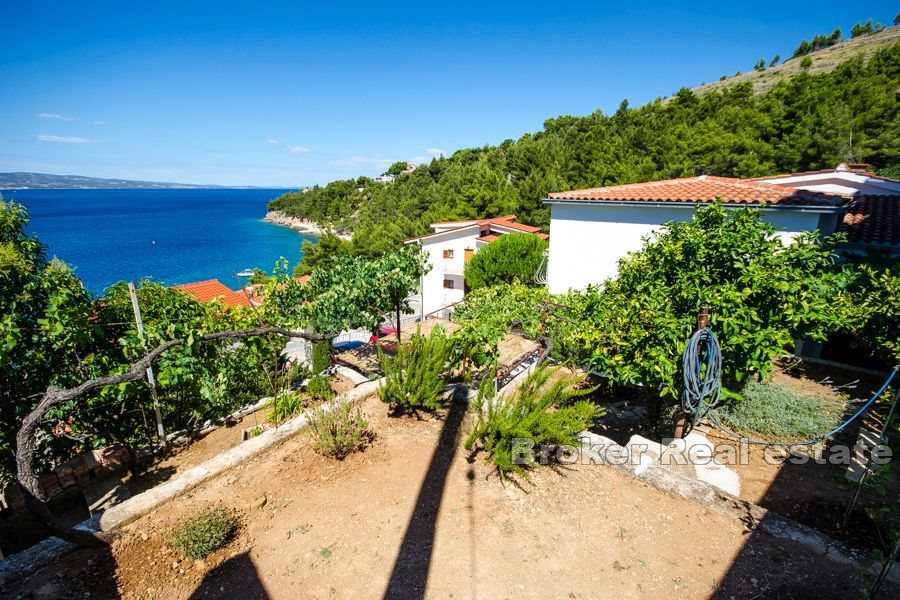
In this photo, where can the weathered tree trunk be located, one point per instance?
(398, 324)
(26, 439)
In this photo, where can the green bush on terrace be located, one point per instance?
(338, 432)
(415, 377)
(514, 256)
(540, 411)
(319, 387)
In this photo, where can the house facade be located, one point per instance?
(448, 247)
(593, 229)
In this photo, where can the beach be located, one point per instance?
(302, 225)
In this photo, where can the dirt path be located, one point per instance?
(367, 527)
(182, 458)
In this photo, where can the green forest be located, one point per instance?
(810, 121)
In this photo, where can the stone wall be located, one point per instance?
(82, 470)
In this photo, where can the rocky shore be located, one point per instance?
(300, 224)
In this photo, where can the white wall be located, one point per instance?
(587, 241)
(434, 295)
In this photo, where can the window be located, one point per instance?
(448, 284)
(448, 254)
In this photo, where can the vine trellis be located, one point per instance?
(26, 439)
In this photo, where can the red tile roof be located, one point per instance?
(705, 188)
(873, 220)
(488, 238)
(211, 289)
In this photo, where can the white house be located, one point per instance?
(449, 247)
(592, 229)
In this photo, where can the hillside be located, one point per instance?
(20, 180)
(823, 61)
(809, 121)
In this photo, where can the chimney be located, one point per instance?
(854, 168)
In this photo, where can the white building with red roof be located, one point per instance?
(449, 246)
(592, 229)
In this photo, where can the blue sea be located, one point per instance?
(174, 236)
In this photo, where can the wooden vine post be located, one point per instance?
(151, 382)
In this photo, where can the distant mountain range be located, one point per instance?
(18, 181)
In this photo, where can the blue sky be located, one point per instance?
(263, 93)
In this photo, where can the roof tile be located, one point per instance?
(873, 220)
(211, 289)
(704, 188)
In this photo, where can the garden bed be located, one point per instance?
(815, 493)
(413, 516)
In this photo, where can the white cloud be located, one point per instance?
(99, 122)
(298, 149)
(435, 151)
(53, 117)
(63, 140)
(271, 141)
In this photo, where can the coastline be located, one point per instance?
(302, 225)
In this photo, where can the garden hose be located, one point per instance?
(702, 365)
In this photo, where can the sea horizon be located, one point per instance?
(172, 235)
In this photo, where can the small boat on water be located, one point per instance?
(245, 273)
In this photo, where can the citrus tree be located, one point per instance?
(763, 295)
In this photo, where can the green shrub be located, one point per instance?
(541, 413)
(762, 295)
(515, 256)
(287, 406)
(871, 304)
(773, 410)
(294, 374)
(338, 432)
(204, 534)
(319, 387)
(415, 377)
(321, 356)
(485, 317)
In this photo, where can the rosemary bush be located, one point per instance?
(319, 387)
(538, 411)
(415, 377)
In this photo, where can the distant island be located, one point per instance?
(19, 181)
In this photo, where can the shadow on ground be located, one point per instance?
(410, 573)
(237, 577)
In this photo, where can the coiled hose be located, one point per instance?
(702, 367)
